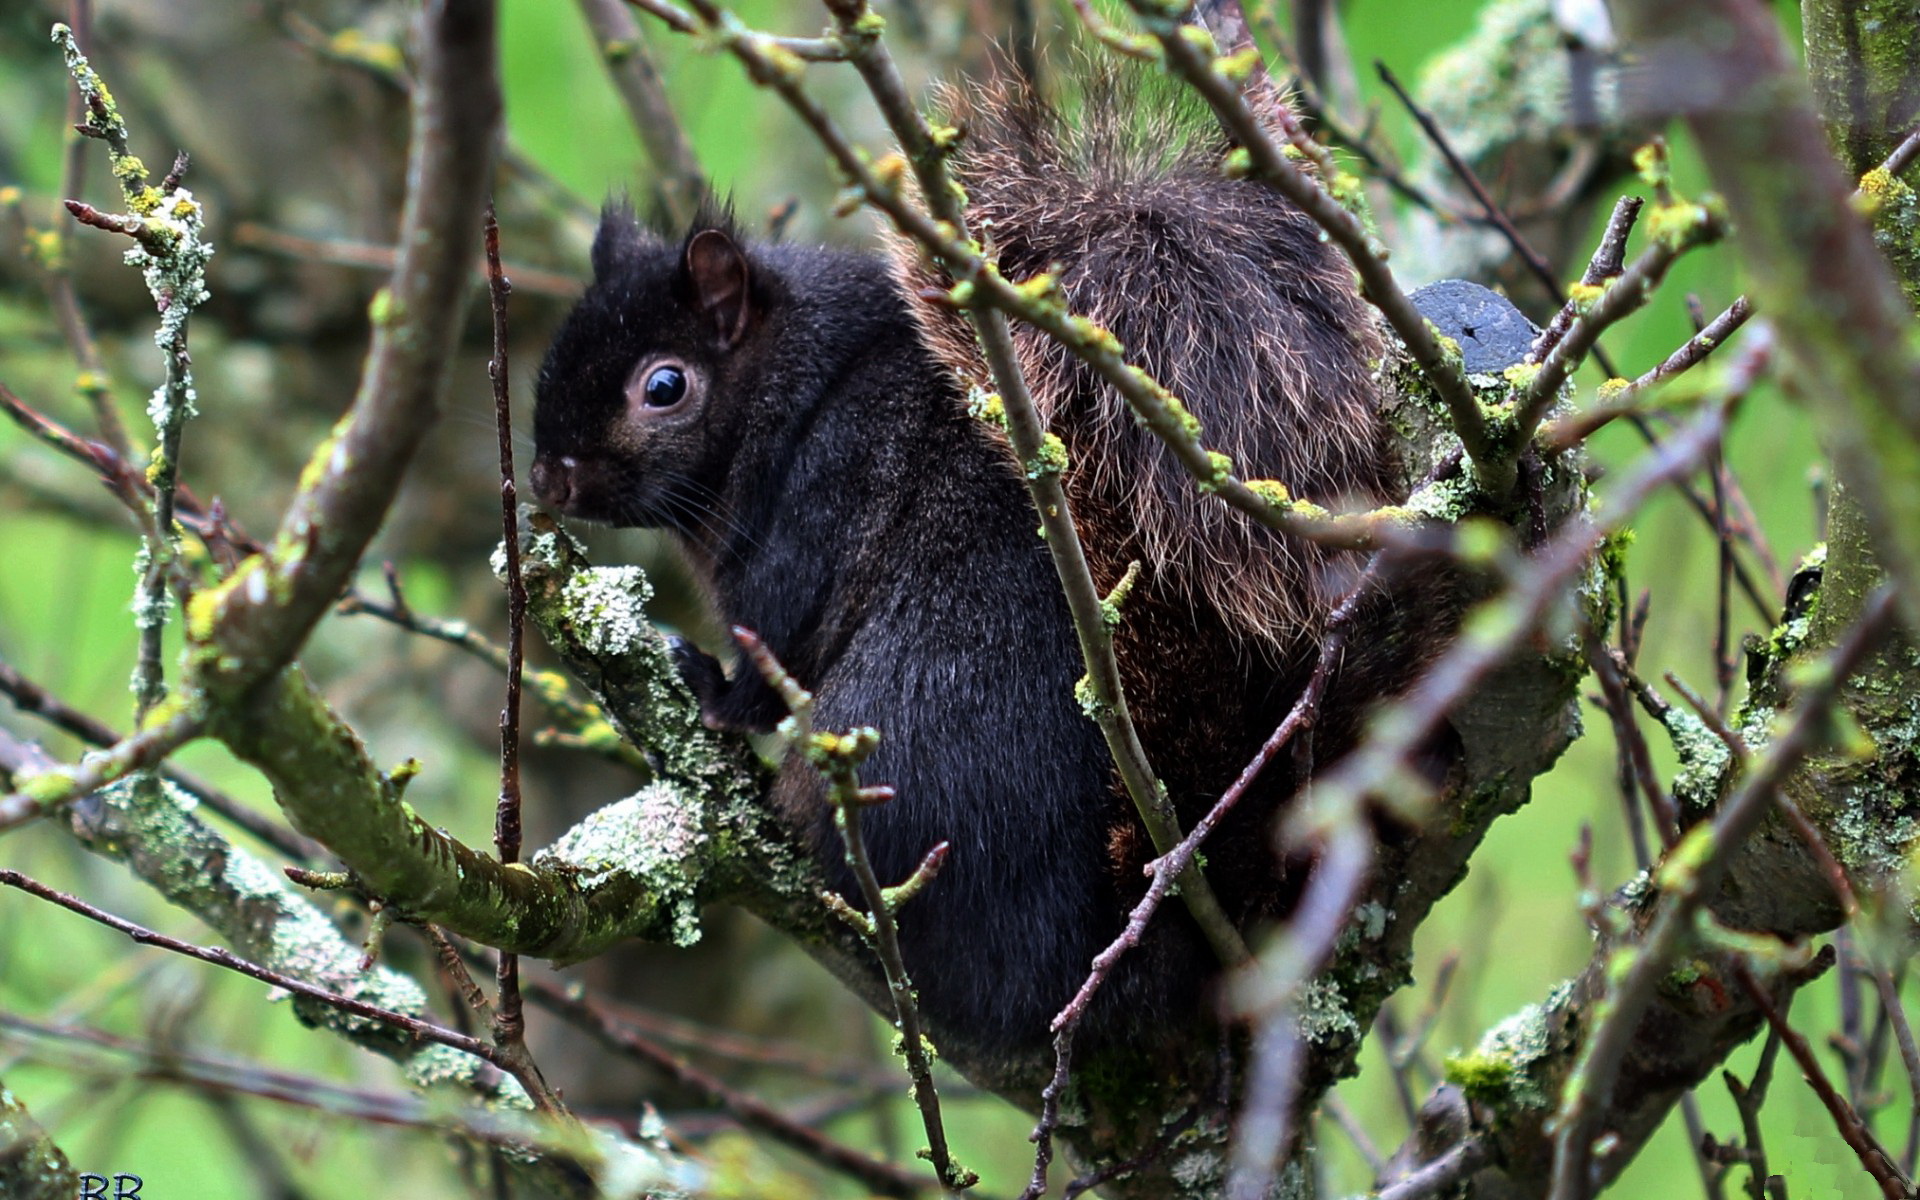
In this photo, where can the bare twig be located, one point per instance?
(1874, 1160)
(1343, 1118)
(1264, 1128)
(516, 1131)
(1620, 297)
(883, 1178)
(1749, 1098)
(37, 793)
(1495, 215)
(412, 1026)
(368, 256)
(1569, 430)
(509, 1017)
(1439, 1177)
(1903, 155)
(1888, 984)
(1608, 260)
(678, 179)
(1633, 745)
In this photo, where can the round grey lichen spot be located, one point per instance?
(608, 609)
(655, 836)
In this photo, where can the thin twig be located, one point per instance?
(1748, 1099)
(1888, 984)
(883, 1178)
(1343, 1118)
(172, 1064)
(1622, 296)
(509, 1017)
(1264, 1128)
(370, 256)
(1495, 215)
(1439, 1177)
(49, 789)
(1874, 1160)
(1608, 260)
(413, 1027)
(1633, 745)
(1903, 155)
(166, 224)
(678, 179)
(1567, 431)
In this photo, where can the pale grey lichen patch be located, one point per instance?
(608, 607)
(147, 824)
(1371, 919)
(1200, 1172)
(1322, 1013)
(542, 551)
(655, 835)
(1450, 499)
(1510, 76)
(1704, 760)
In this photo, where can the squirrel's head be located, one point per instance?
(632, 422)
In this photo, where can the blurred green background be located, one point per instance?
(65, 580)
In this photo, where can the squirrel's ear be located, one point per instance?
(718, 270)
(616, 242)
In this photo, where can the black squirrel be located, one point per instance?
(799, 418)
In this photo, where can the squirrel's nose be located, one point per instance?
(552, 480)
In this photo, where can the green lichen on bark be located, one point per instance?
(1511, 1068)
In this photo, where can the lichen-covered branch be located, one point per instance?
(31, 1164)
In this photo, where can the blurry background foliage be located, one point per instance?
(283, 140)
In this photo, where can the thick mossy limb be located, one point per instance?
(331, 790)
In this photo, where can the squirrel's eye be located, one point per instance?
(664, 387)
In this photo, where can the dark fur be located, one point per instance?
(843, 505)
(845, 508)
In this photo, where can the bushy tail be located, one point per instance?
(1221, 290)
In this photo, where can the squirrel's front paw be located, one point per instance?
(702, 674)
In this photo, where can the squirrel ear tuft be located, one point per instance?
(617, 242)
(721, 283)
